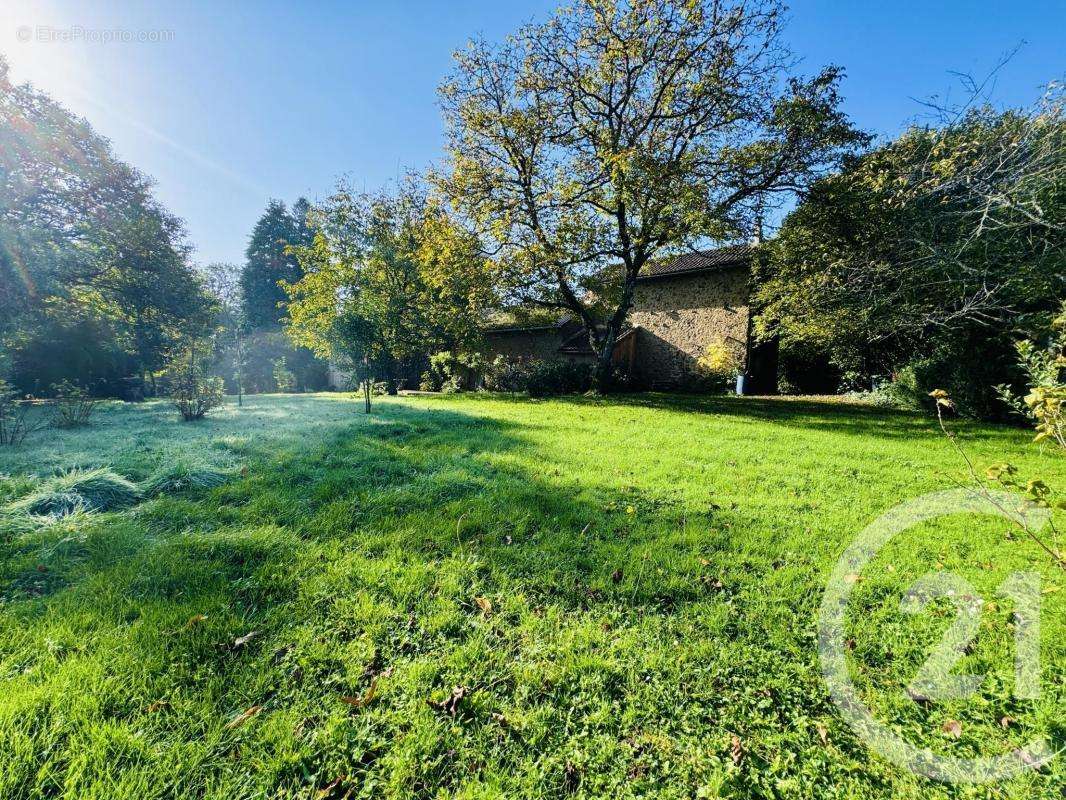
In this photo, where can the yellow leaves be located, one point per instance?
(942, 399)
(823, 733)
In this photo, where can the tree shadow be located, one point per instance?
(830, 416)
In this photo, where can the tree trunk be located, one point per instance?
(602, 375)
(367, 381)
(240, 371)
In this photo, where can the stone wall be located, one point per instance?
(680, 316)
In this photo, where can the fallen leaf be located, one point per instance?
(1029, 759)
(451, 705)
(952, 728)
(332, 789)
(362, 700)
(736, 750)
(241, 641)
(823, 733)
(243, 717)
(484, 604)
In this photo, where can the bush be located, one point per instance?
(284, 378)
(80, 490)
(192, 392)
(177, 476)
(451, 372)
(539, 378)
(16, 420)
(73, 405)
(719, 365)
(505, 375)
(195, 396)
(1045, 402)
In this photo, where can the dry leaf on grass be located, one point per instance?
(484, 604)
(360, 701)
(736, 750)
(823, 733)
(241, 641)
(952, 728)
(243, 717)
(451, 705)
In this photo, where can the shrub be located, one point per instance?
(73, 405)
(177, 476)
(539, 378)
(451, 372)
(193, 392)
(505, 375)
(1045, 402)
(80, 490)
(719, 363)
(284, 378)
(195, 396)
(16, 419)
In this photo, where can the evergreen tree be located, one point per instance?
(267, 262)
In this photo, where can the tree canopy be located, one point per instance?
(618, 132)
(268, 261)
(95, 280)
(943, 240)
(387, 278)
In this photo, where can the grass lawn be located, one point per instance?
(480, 597)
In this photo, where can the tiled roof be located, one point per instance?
(705, 261)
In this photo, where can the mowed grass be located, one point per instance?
(494, 597)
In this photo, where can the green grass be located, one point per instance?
(626, 588)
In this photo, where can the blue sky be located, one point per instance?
(244, 101)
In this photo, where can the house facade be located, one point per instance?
(692, 307)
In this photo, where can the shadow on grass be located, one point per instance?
(809, 414)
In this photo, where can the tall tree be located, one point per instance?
(388, 277)
(268, 261)
(933, 246)
(95, 282)
(625, 130)
(223, 280)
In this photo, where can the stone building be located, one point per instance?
(691, 308)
